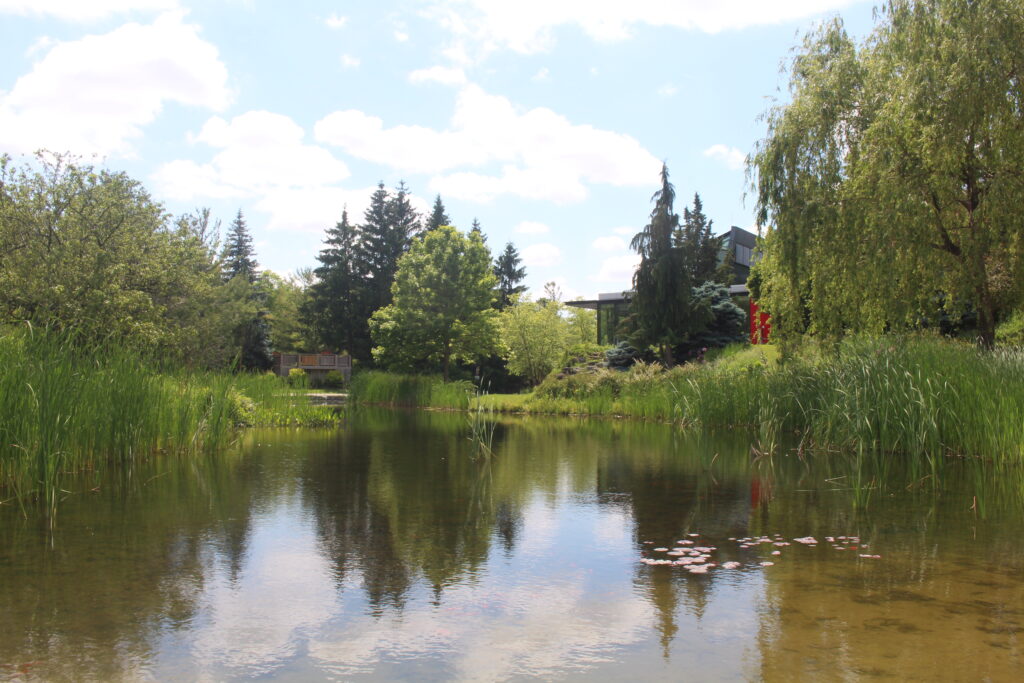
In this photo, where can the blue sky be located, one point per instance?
(545, 119)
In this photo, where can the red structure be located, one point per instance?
(760, 325)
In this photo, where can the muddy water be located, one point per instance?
(383, 550)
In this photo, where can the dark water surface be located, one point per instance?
(383, 550)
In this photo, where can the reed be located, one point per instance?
(385, 388)
(922, 396)
(73, 407)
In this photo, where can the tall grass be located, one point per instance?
(923, 396)
(70, 407)
(409, 390)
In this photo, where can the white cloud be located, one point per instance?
(617, 269)
(528, 26)
(350, 62)
(543, 74)
(611, 243)
(336, 21)
(261, 155)
(668, 90)
(401, 36)
(541, 255)
(439, 74)
(260, 152)
(85, 96)
(82, 10)
(531, 228)
(539, 154)
(732, 158)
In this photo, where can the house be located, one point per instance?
(738, 244)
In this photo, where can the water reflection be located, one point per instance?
(384, 550)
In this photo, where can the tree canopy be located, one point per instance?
(892, 179)
(442, 304)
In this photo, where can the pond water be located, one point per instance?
(384, 550)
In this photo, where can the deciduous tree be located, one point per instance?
(894, 173)
(442, 304)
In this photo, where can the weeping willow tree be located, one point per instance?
(894, 178)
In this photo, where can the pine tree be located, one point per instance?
(438, 217)
(509, 274)
(239, 257)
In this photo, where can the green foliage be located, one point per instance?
(87, 249)
(727, 322)
(285, 300)
(438, 217)
(582, 324)
(373, 386)
(69, 406)
(239, 255)
(662, 313)
(1011, 332)
(298, 378)
(443, 295)
(535, 337)
(509, 274)
(622, 355)
(701, 247)
(893, 173)
(357, 269)
(333, 380)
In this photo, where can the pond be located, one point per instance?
(385, 550)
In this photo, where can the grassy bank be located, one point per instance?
(77, 408)
(922, 396)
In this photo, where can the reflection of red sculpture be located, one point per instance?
(760, 325)
(760, 491)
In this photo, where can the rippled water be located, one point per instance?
(384, 550)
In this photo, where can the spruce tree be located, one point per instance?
(509, 274)
(239, 257)
(337, 309)
(701, 247)
(252, 336)
(438, 217)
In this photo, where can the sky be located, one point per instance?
(547, 121)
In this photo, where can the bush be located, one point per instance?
(333, 380)
(1011, 332)
(297, 378)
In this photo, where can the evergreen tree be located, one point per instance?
(252, 336)
(661, 310)
(438, 217)
(239, 257)
(701, 247)
(337, 309)
(509, 274)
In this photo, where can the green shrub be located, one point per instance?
(298, 378)
(333, 380)
(1011, 332)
